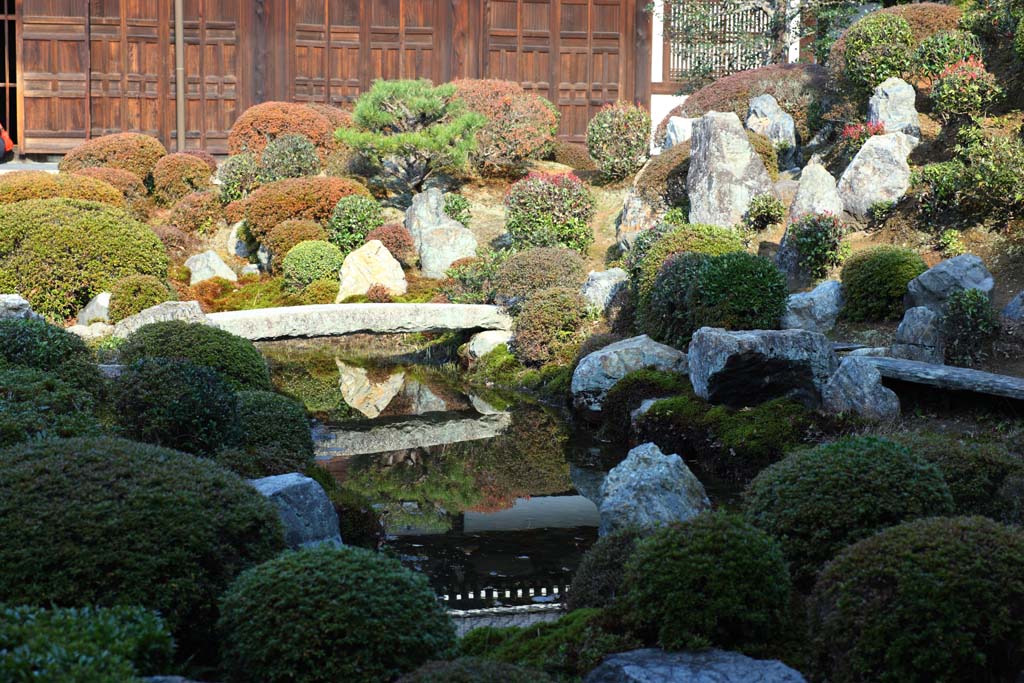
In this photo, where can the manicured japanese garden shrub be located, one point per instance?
(549, 210)
(737, 291)
(662, 181)
(471, 280)
(818, 501)
(421, 128)
(573, 155)
(665, 314)
(384, 617)
(654, 246)
(132, 152)
(198, 213)
(936, 187)
(93, 644)
(532, 270)
(336, 116)
(971, 324)
(21, 185)
(473, 670)
(943, 49)
(397, 239)
(289, 156)
(175, 403)
(236, 359)
(276, 422)
(321, 292)
(238, 175)
(310, 261)
(990, 180)
(875, 281)
(35, 404)
(127, 183)
(936, 599)
(144, 514)
(311, 199)
(287, 234)
(599, 577)
(207, 158)
(548, 325)
(629, 392)
(60, 253)
(765, 210)
(965, 88)
(457, 208)
(714, 580)
(878, 47)
(136, 293)
(353, 217)
(40, 345)
(258, 125)
(179, 174)
(618, 139)
(818, 239)
(178, 244)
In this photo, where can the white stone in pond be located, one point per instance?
(765, 117)
(601, 287)
(369, 265)
(894, 105)
(816, 193)
(879, 173)
(678, 130)
(856, 388)
(208, 265)
(16, 307)
(306, 512)
(365, 394)
(816, 310)
(933, 287)
(599, 371)
(96, 311)
(482, 343)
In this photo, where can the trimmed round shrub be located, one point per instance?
(135, 294)
(60, 253)
(132, 152)
(965, 88)
(40, 345)
(175, 403)
(738, 291)
(238, 175)
(179, 174)
(179, 244)
(287, 234)
(713, 581)
(207, 158)
(276, 422)
(312, 199)
(931, 600)
(35, 404)
(818, 241)
(629, 392)
(533, 270)
(943, 49)
(573, 155)
(550, 210)
(237, 360)
(654, 246)
(127, 183)
(820, 500)
(971, 324)
(599, 578)
(665, 313)
(875, 281)
(197, 213)
(128, 524)
(473, 670)
(878, 47)
(765, 210)
(310, 261)
(397, 239)
(351, 220)
(21, 185)
(258, 125)
(336, 116)
(321, 292)
(289, 156)
(618, 139)
(925, 19)
(287, 619)
(548, 326)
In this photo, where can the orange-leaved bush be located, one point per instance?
(305, 198)
(179, 174)
(128, 151)
(270, 120)
(21, 185)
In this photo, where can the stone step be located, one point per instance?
(949, 377)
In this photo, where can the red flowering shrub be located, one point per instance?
(128, 151)
(198, 212)
(21, 185)
(550, 210)
(126, 182)
(179, 174)
(306, 198)
(265, 122)
(854, 136)
(965, 88)
(397, 240)
(618, 139)
(207, 158)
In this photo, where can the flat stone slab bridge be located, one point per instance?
(949, 377)
(331, 320)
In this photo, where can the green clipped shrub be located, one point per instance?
(310, 261)
(645, 258)
(238, 175)
(665, 314)
(599, 578)
(456, 207)
(878, 47)
(35, 404)
(91, 645)
(289, 156)
(989, 184)
(352, 219)
(630, 391)
(473, 670)
(179, 174)
(550, 210)
(818, 241)
(937, 187)
(286, 235)
(40, 345)
(950, 243)
(618, 139)
(471, 280)
(943, 49)
(128, 524)
(530, 271)
(176, 404)
(818, 501)
(60, 253)
(738, 291)
(971, 324)
(275, 436)
(548, 326)
(765, 210)
(765, 149)
(875, 281)
(236, 359)
(713, 581)
(135, 294)
(931, 600)
(384, 617)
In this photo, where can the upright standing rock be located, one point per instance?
(14, 306)
(1014, 311)
(725, 171)
(439, 239)
(767, 118)
(893, 105)
(933, 287)
(96, 311)
(816, 193)
(920, 336)
(306, 512)
(678, 130)
(879, 173)
(601, 287)
(856, 388)
(371, 264)
(638, 214)
(816, 310)
(208, 265)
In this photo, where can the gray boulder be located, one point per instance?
(1014, 310)
(857, 388)
(601, 287)
(93, 331)
(725, 171)
(482, 343)
(599, 371)
(306, 512)
(879, 173)
(427, 213)
(189, 311)
(208, 265)
(788, 260)
(638, 215)
(743, 369)
(816, 193)
(920, 336)
(16, 307)
(934, 286)
(649, 489)
(443, 246)
(708, 666)
(265, 259)
(96, 311)
(816, 310)
(893, 104)
(767, 118)
(678, 130)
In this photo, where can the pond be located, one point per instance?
(474, 488)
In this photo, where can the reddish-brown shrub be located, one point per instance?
(336, 116)
(21, 185)
(485, 90)
(235, 211)
(573, 155)
(519, 127)
(307, 198)
(207, 158)
(378, 294)
(662, 182)
(264, 122)
(179, 174)
(126, 182)
(198, 212)
(397, 240)
(180, 245)
(128, 151)
(285, 235)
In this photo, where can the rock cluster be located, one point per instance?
(440, 240)
(599, 371)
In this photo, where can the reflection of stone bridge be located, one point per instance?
(383, 435)
(330, 320)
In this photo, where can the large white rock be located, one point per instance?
(894, 105)
(482, 343)
(189, 311)
(649, 489)
(208, 265)
(96, 311)
(856, 388)
(599, 371)
(427, 213)
(16, 307)
(879, 173)
(725, 171)
(441, 247)
(678, 130)
(816, 193)
(933, 287)
(765, 117)
(369, 265)
(306, 512)
(706, 666)
(816, 310)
